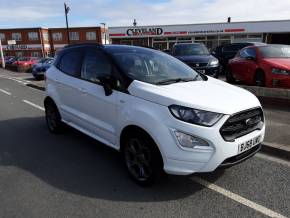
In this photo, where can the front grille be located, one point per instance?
(242, 123)
(197, 65)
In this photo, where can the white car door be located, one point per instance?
(98, 110)
(68, 85)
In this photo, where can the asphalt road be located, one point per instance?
(71, 175)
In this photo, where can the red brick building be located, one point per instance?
(40, 42)
(29, 42)
(58, 36)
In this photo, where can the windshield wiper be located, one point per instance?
(176, 80)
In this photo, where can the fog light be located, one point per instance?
(189, 141)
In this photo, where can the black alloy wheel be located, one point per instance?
(142, 160)
(53, 118)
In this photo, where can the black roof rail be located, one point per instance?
(83, 44)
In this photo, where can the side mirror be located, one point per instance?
(107, 83)
(251, 58)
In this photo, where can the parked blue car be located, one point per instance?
(39, 69)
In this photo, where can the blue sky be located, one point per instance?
(49, 13)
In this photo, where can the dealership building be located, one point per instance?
(163, 37)
(41, 42)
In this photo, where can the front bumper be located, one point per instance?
(219, 153)
(281, 81)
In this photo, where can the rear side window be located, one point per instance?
(70, 63)
(248, 52)
(95, 66)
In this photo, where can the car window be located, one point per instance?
(153, 67)
(95, 66)
(70, 63)
(248, 52)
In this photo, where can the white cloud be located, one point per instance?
(122, 12)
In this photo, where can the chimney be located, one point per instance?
(229, 19)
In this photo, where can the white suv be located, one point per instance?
(156, 110)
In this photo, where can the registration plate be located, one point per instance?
(201, 71)
(249, 144)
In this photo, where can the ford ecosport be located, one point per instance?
(158, 112)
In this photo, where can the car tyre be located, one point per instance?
(260, 79)
(53, 118)
(229, 76)
(142, 159)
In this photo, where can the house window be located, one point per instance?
(91, 36)
(45, 36)
(35, 54)
(57, 36)
(74, 36)
(16, 36)
(2, 36)
(32, 36)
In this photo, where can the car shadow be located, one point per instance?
(78, 164)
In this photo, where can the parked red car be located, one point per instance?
(25, 61)
(265, 65)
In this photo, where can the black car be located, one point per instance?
(197, 56)
(228, 51)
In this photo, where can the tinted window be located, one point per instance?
(248, 52)
(95, 65)
(70, 63)
(152, 66)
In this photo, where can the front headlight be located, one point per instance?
(280, 71)
(194, 116)
(214, 62)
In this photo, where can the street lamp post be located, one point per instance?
(66, 10)
(104, 24)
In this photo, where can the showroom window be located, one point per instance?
(32, 36)
(57, 36)
(19, 54)
(74, 36)
(2, 36)
(16, 36)
(91, 35)
(35, 54)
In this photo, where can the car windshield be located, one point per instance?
(152, 66)
(275, 51)
(190, 49)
